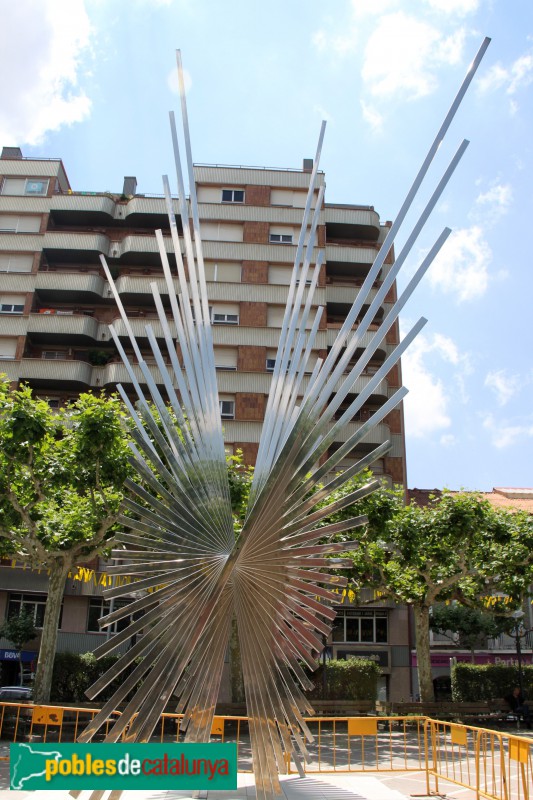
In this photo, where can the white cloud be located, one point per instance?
(372, 116)
(512, 78)
(504, 385)
(500, 195)
(461, 267)
(460, 8)
(402, 55)
(494, 203)
(427, 406)
(507, 433)
(43, 42)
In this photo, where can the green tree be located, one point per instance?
(457, 548)
(61, 479)
(468, 627)
(18, 630)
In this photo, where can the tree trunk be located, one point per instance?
(56, 586)
(423, 653)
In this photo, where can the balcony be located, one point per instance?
(240, 431)
(242, 251)
(75, 326)
(76, 286)
(259, 383)
(350, 253)
(260, 176)
(13, 325)
(345, 294)
(382, 351)
(74, 375)
(86, 208)
(239, 212)
(78, 244)
(349, 225)
(360, 218)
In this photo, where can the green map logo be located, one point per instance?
(123, 766)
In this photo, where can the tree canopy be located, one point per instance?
(61, 479)
(458, 547)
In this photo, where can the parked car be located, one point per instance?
(16, 694)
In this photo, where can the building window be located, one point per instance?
(280, 238)
(98, 608)
(358, 625)
(50, 355)
(11, 308)
(231, 319)
(227, 409)
(36, 187)
(14, 262)
(21, 186)
(233, 195)
(32, 604)
(271, 363)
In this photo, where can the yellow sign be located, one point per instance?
(519, 750)
(458, 734)
(362, 726)
(217, 728)
(47, 715)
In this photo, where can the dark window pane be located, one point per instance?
(352, 629)
(337, 633)
(381, 629)
(227, 195)
(367, 629)
(238, 196)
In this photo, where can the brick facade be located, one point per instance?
(254, 272)
(249, 451)
(249, 406)
(253, 315)
(394, 467)
(257, 195)
(255, 232)
(251, 358)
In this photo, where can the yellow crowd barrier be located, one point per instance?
(492, 764)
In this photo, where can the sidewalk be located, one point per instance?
(325, 786)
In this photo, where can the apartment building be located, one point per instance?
(56, 305)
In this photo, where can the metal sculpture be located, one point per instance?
(191, 571)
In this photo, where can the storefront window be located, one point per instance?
(361, 625)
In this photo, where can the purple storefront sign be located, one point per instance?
(443, 659)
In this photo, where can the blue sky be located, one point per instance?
(95, 81)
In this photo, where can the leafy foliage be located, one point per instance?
(472, 682)
(61, 479)
(467, 626)
(60, 475)
(350, 679)
(19, 629)
(73, 673)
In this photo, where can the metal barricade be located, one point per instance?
(493, 764)
(23, 722)
(490, 763)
